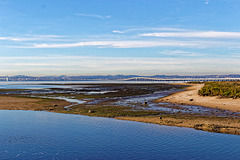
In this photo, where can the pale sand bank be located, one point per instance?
(184, 97)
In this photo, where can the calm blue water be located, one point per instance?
(40, 84)
(30, 85)
(23, 86)
(43, 135)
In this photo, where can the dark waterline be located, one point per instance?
(43, 135)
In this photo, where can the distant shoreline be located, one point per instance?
(190, 97)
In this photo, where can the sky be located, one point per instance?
(110, 37)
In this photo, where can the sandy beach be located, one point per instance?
(191, 97)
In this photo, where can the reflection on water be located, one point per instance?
(73, 101)
(43, 135)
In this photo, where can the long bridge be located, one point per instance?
(180, 79)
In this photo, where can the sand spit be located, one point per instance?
(191, 97)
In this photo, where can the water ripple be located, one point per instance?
(43, 135)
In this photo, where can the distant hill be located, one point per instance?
(101, 77)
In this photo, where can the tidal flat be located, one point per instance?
(135, 102)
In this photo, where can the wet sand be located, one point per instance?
(191, 97)
(210, 124)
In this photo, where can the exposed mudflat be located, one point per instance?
(149, 103)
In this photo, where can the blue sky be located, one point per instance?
(101, 37)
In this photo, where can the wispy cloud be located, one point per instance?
(236, 55)
(50, 36)
(115, 44)
(147, 29)
(138, 44)
(168, 37)
(31, 38)
(117, 31)
(18, 39)
(60, 64)
(181, 53)
(197, 34)
(92, 15)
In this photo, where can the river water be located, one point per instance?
(43, 135)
